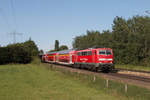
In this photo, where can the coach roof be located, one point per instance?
(65, 51)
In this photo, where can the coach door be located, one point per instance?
(54, 58)
(57, 58)
(70, 58)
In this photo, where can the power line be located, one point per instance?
(15, 22)
(13, 13)
(4, 17)
(14, 35)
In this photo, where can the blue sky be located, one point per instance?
(48, 20)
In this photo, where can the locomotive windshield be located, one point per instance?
(105, 52)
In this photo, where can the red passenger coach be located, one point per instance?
(45, 58)
(66, 57)
(51, 57)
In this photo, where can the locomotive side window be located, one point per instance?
(102, 52)
(85, 53)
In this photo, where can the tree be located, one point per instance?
(131, 39)
(63, 47)
(31, 47)
(41, 52)
(56, 45)
(89, 40)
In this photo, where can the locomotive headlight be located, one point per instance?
(109, 59)
(100, 62)
(102, 59)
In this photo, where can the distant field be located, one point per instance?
(133, 67)
(38, 82)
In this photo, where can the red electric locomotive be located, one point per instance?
(95, 59)
(98, 59)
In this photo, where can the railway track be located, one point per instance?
(142, 74)
(124, 78)
(139, 78)
(122, 69)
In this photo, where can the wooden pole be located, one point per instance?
(107, 83)
(94, 78)
(126, 88)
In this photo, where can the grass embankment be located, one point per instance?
(133, 67)
(35, 82)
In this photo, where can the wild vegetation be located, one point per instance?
(18, 53)
(129, 39)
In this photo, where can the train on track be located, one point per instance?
(95, 59)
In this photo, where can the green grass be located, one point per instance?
(40, 82)
(133, 67)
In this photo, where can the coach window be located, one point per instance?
(89, 53)
(79, 53)
(83, 53)
(86, 53)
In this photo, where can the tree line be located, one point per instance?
(59, 48)
(129, 39)
(18, 53)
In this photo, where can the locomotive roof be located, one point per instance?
(92, 49)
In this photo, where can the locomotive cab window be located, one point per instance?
(108, 52)
(105, 52)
